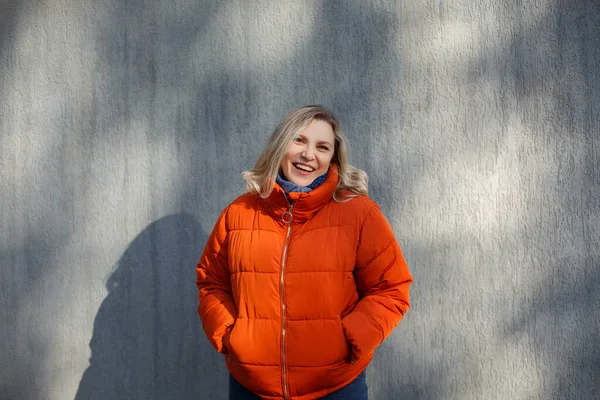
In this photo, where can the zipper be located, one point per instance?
(287, 218)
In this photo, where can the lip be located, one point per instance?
(302, 172)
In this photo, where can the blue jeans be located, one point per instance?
(355, 390)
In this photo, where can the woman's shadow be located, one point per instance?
(148, 342)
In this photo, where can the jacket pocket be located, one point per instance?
(227, 344)
(348, 357)
(351, 358)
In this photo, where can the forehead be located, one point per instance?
(319, 130)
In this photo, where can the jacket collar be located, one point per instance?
(306, 204)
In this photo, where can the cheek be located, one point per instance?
(290, 155)
(326, 159)
(287, 158)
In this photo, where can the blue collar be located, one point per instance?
(290, 187)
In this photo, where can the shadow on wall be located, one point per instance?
(571, 304)
(398, 373)
(568, 300)
(148, 342)
(10, 11)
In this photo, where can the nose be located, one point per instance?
(308, 153)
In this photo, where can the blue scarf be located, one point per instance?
(290, 187)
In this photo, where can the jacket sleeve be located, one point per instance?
(216, 305)
(382, 279)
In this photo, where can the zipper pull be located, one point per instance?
(287, 216)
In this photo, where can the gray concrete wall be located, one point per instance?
(124, 126)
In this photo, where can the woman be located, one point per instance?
(301, 278)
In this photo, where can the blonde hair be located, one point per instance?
(352, 181)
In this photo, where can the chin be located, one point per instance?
(305, 183)
(301, 182)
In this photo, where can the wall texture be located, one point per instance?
(124, 126)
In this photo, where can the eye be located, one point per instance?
(298, 139)
(323, 147)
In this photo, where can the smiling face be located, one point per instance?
(309, 154)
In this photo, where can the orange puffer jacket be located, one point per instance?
(299, 295)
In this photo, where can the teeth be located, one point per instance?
(304, 168)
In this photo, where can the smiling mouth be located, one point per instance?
(303, 167)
